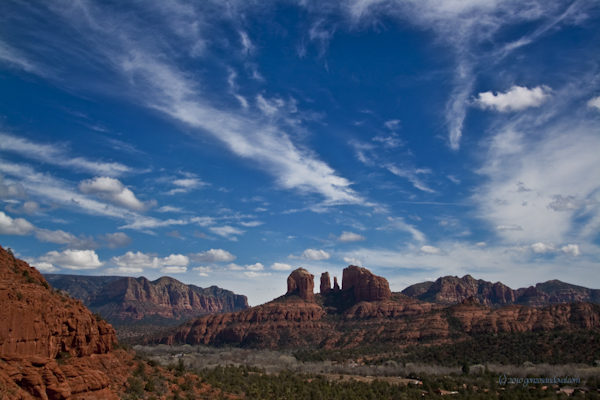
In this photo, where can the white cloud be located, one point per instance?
(346, 237)
(165, 209)
(555, 157)
(594, 103)
(255, 267)
(16, 226)
(353, 261)
(114, 240)
(569, 203)
(11, 190)
(392, 124)
(29, 208)
(185, 185)
(247, 45)
(42, 266)
(517, 98)
(389, 142)
(252, 224)
(412, 176)
(571, 249)
(480, 244)
(431, 250)
(203, 271)
(252, 274)
(173, 270)
(235, 267)
(511, 227)
(399, 224)
(62, 237)
(541, 248)
(281, 267)
(57, 155)
(226, 231)
(113, 191)
(140, 260)
(213, 255)
(73, 259)
(312, 254)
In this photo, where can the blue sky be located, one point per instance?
(229, 142)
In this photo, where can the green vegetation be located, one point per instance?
(256, 384)
(557, 347)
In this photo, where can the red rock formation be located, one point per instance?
(262, 326)
(325, 283)
(367, 286)
(132, 299)
(352, 318)
(452, 289)
(302, 283)
(336, 286)
(38, 325)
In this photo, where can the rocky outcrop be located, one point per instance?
(35, 321)
(325, 283)
(366, 285)
(51, 346)
(301, 283)
(338, 320)
(452, 289)
(165, 300)
(285, 322)
(336, 286)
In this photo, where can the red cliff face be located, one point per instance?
(367, 286)
(37, 326)
(302, 283)
(325, 283)
(132, 299)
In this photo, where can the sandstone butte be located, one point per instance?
(52, 347)
(366, 312)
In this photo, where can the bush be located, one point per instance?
(136, 386)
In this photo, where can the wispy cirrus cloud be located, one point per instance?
(143, 66)
(59, 155)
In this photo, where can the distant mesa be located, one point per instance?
(165, 301)
(452, 289)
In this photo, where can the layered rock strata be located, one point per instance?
(452, 289)
(301, 282)
(130, 300)
(51, 346)
(366, 285)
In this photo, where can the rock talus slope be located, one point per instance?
(51, 346)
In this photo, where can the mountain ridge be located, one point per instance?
(452, 289)
(128, 300)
